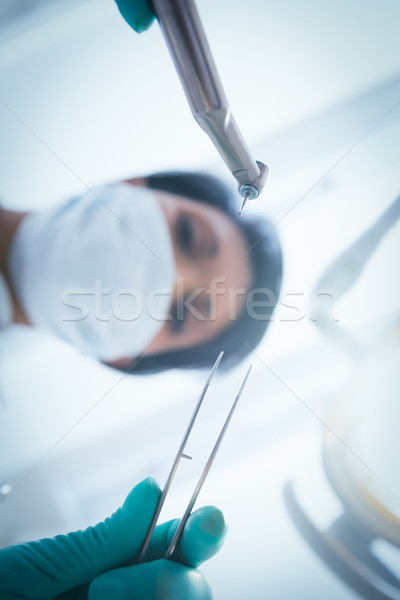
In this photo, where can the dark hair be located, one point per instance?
(266, 260)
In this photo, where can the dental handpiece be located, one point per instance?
(188, 46)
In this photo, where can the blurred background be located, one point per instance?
(315, 89)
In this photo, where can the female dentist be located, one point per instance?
(145, 275)
(178, 247)
(98, 563)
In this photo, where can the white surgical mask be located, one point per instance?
(97, 271)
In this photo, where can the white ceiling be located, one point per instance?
(108, 101)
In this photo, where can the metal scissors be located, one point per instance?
(180, 454)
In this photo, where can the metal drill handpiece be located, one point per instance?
(183, 31)
(251, 191)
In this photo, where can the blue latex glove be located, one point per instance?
(137, 13)
(90, 564)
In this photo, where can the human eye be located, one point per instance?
(185, 233)
(177, 321)
(195, 237)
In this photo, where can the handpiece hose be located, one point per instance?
(187, 43)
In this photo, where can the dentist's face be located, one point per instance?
(213, 273)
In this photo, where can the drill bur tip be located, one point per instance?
(245, 200)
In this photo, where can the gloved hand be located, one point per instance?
(90, 564)
(137, 13)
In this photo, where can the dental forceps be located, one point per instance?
(180, 454)
(186, 40)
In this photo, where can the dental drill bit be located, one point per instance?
(245, 200)
(247, 196)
